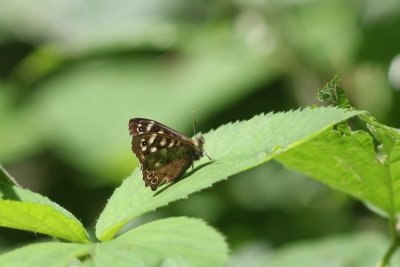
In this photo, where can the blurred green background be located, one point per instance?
(72, 73)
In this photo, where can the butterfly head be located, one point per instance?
(198, 143)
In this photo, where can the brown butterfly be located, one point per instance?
(164, 154)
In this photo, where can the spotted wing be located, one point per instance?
(138, 126)
(146, 144)
(164, 154)
(166, 165)
(150, 136)
(140, 146)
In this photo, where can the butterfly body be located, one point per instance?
(164, 154)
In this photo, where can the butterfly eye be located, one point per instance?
(144, 143)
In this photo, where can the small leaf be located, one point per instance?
(25, 210)
(334, 94)
(235, 148)
(169, 242)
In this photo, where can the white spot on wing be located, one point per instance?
(153, 149)
(163, 142)
(149, 126)
(171, 144)
(152, 138)
(144, 148)
(160, 131)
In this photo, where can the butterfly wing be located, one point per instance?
(166, 165)
(147, 134)
(145, 144)
(138, 126)
(164, 154)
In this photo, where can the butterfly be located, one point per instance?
(164, 154)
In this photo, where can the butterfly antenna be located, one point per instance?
(208, 157)
(194, 123)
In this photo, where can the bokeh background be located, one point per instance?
(72, 73)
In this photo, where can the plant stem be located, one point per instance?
(393, 246)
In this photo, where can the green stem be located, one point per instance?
(393, 245)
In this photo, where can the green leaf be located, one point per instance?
(25, 210)
(334, 94)
(388, 138)
(182, 240)
(169, 242)
(235, 147)
(47, 254)
(350, 163)
(355, 250)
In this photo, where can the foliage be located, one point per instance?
(235, 147)
(72, 73)
(164, 242)
(263, 137)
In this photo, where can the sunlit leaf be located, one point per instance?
(25, 210)
(169, 242)
(235, 148)
(350, 163)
